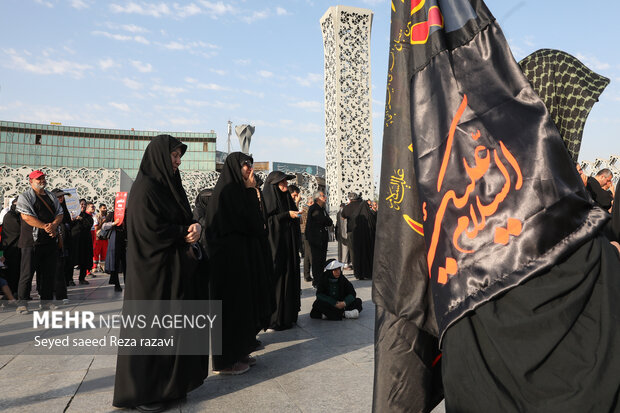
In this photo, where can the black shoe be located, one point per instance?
(151, 407)
(72, 283)
(309, 279)
(118, 288)
(84, 282)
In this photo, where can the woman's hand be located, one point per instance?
(193, 233)
(251, 181)
(293, 214)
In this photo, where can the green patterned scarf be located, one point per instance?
(568, 88)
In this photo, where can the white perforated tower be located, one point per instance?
(348, 110)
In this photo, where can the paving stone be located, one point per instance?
(39, 389)
(333, 359)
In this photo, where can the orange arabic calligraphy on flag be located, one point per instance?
(471, 212)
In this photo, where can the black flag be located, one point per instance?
(476, 188)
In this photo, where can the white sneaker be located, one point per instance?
(352, 314)
(65, 301)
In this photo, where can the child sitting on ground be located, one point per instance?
(335, 295)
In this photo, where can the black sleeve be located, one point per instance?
(600, 196)
(328, 221)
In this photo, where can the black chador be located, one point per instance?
(200, 211)
(284, 241)
(239, 266)
(158, 268)
(11, 228)
(82, 243)
(363, 222)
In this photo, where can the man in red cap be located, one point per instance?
(41, 214)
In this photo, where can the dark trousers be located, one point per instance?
(83, 273)
(42, 259)
(68, 270)
(307, 260)
(351, 249)
(13, 262)
(114, 279)
(60, 285)
(319, 254)
(320, 307)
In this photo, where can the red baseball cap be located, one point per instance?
(36, 174)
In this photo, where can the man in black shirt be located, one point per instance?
(316, 234)
(41, 214)
(598, 187)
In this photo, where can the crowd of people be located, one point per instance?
(41, 239)
(242, 245)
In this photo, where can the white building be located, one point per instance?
(348, 111)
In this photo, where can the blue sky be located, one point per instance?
(194, 65)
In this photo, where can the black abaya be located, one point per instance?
(284, 242)
(158, 268)
(363, 242)
(200, 211)
(239, 266)
(11, 229)
(549, 345)
(81, 248)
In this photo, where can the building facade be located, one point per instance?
(299, 168)
(37, 145)
(348, 111)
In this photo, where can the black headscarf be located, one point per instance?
(277, 202)
(229, 189)
(275, 199)
(158, 215)
(156, 165)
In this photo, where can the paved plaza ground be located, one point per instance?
(317, 366)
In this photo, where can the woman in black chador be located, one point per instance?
(284, 235)
(362, 222)
(160, 229)
(239, 266)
